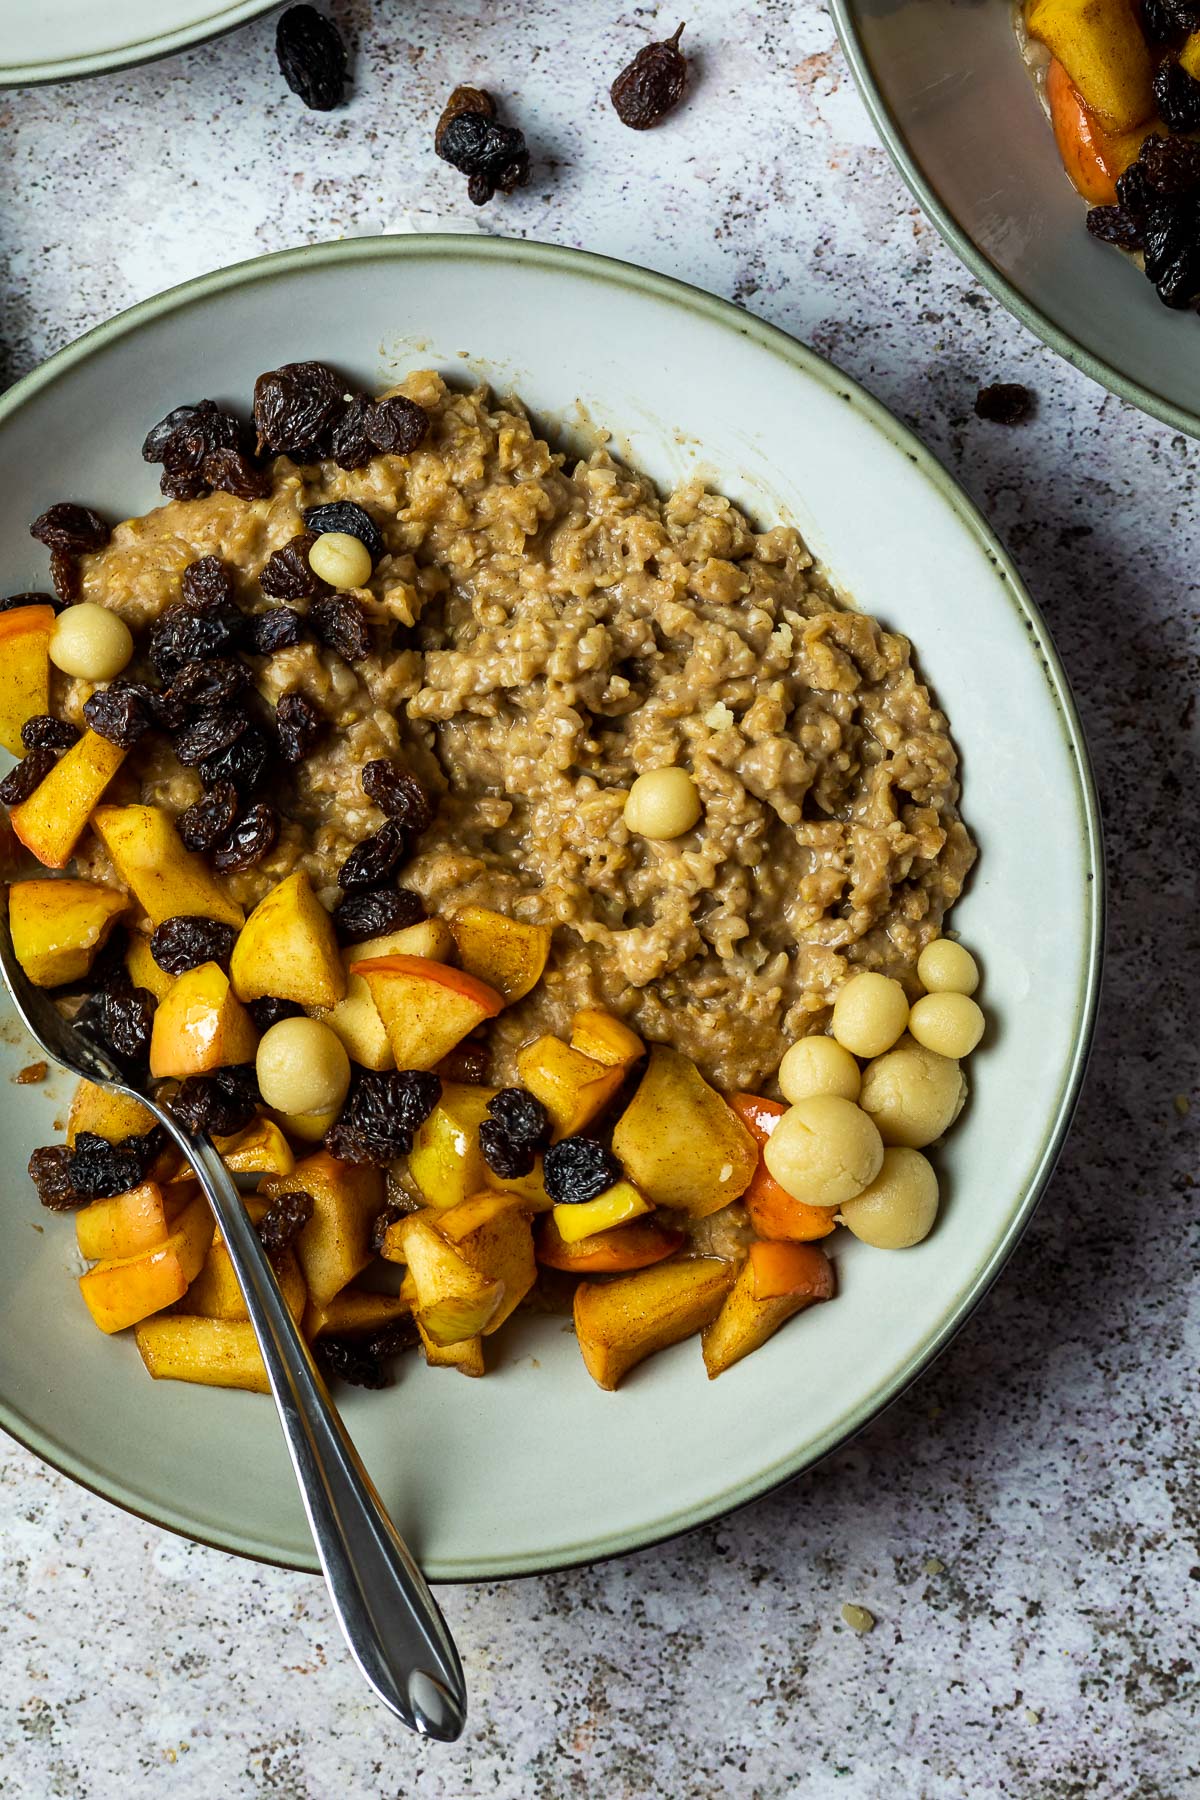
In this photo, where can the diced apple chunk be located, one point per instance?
(24, 670)
(613, 1252)
(108, 1114)
(506, 954)
(356, 1017)
(58, 926)
(53, 819)
(219, 1353)
(604, 1038)
(454, 1300)
(201, 1025)
(128, 1223)
(165, 878)
(121, 1291)
(620, 1322)
(335, 1245)
(216, 1292)
(427, 1008)
(288, 948)
(679, 1141)
(617, 1205)
(776, 1281)
(573, 1088)
(142, 969)
(355, 1309)
(492, 1232)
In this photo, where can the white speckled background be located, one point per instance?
(1048, 1464)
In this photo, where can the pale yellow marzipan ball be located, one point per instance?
(818, 1065)
(951, 1024)
(869, 1014)
(824, 1150)
(90, 642)
(900, 1205)
(302, 1067)
(662, 803)
(341, 559)
(913, 1094)
(944, 967)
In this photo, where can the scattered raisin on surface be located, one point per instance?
(15, 601)
(245, 762)
(579, 1168)
(347, 1359)
(463, 100)
(1178, 96)
(209, 734)
(298, 725)
(121, 1017)
(284, 1220)
(183, 634)
(268, 1011)
(490, 155)
(349, 445)
(1170, 165)
(312, 57)
(45, 732)
(341, 622)
(182, 440)
(347, 516)
(207, 586)
(503, 1156)
(398, 794)
(75, 529)
(120, 712)
(396, 425)
(279, 628)
(522, 1116)
(168, 712)
(1004, 403)
(1113, 225)
(287, 573)
(391, 1339)
(215, 682)
(649, 87)
(382, 1113)
(295, 405)
(231, 471)
(1134, 192)
(220, 1104)
(371, 862)
(65, 575)
(374, 911)
(189, 939)
(28, 774)
(50, 1173)
(253, 837)
(210, 818)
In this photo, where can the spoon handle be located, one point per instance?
(388, 1615)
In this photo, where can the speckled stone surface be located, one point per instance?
(1023, 1524)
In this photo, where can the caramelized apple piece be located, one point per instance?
(620, 1322)
(775, 1282)
(55, 816)
(680, 1143)
(165, 878)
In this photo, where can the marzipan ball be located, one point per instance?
(869, 1014)
(824, 1150)
(913, 1095)
(90, 642)
(302, 1067)
(944, 967)
(951, 1024)
(899, 1207)
(662, 803)
(818, 1065)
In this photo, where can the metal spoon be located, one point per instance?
(388, 1616)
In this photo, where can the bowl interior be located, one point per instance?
(60, 38)
(533, 1466)
(954, 102)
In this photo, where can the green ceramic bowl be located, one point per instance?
(533, 1467)
(953, 102)
(55, 40)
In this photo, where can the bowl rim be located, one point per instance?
(218, 21)
(795, 357)
(895, 142)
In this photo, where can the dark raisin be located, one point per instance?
(168, 713)
(383, 1223)
(284, 1220)
(28, 774)
(397, 793)
(579, 1168)
(491, 155)
(1158, 25)
(381, 1115)
(120, 712)
(374, 911)
(522, 1116)
(245, 762)
(1172, 250)
(45, 732)
(340, 622)
(463, 100)
(397, 425)
(503, 1157)
(349, 445)
(298, 725)
(348, 516)
(50, 1173)
(207, 586)
(76, 529)
(1134, 192)
(1170, 165)
(231, 471)
(1113, 225)
(211, 733)
(312, 57)
(465, 1063)
(346, 1359)
(1178, 96)
(370, 863)
(179, 485)
(220, 1104)
(183, 634)
(277, 629)
(295, 405)
(1004, 403)
(18, 600)
(287, 575)
(216, 682)
(205, 430)
(100, 1169)
(268, 1011)
(122, 1019)
(189, 939)
(211, 818)
(253, 837)
(160, 435)
(649, 87)
(65, 575)
(391, 1339)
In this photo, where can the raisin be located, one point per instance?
(1170, 165)
(465, 1063)
(268, 1011)
(295, 404)
(491, 155)
(1178, 96)
(312, 56)
(120, 713)
(287, 575)
(50, 1173)
(207, 586)
(75, 529)
(1158, 25)
(211, 817)
(277, 629)
(100, 1169)
(393, 1338)
(121, 1018)
(298, 725)
(345, 1359)
(231, 471)
(349, 444)
(1172, 250)
(189, 939)
(17, 600)
(381, 1115)
(341, 622)
(284, 1220)
(1004, 403)
(28, 774)
(65, 576)
(180, 485)
(213, 683)
(522, 1116)
(373, 911)
(579, 1168)
(160, 435)
(245, 762)
(220, 1103)
(396, 425)
(370, 863)
(503, 1157)
(45, 732)
(1134, 192)
(183, 634)
(649, 87)
(1113, 225)
(397, 793)
(253, 837)
(346, 515)
(463, 100)
(194, 433)
(383, 1223)
(208, 735)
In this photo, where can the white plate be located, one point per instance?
(534, 1467)
(53, 40)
